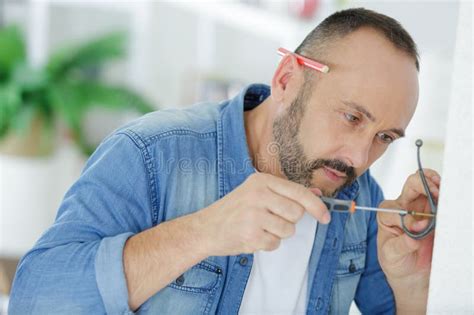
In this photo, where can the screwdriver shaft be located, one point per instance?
(398, 211)
(339, 205)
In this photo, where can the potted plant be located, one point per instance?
(33, 100)
(36, 104)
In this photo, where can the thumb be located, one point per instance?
(316, 191)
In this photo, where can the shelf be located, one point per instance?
(103, 4)
(257, 21)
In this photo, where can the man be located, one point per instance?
(177, 212)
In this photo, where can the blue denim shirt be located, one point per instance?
(165, 165)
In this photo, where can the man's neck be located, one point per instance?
(259, 131)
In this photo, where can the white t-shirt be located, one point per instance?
(278, 281)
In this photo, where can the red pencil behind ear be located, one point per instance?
(305, 61)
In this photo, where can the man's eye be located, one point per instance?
(385, 138)
(351, 118)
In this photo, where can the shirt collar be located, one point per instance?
(234, 162)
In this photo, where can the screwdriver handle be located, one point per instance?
(339, 205)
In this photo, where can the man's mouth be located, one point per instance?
(333, 174)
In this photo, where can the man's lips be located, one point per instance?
(334, 173)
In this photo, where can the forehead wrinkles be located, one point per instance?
(387, 97)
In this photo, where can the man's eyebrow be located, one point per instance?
(360, 108)
(371, 117)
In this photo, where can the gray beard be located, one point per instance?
(293, 161)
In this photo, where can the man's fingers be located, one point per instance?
(284, 207)
(415, 225)
(414, 186)
(278, 226)
(302, 195)
(388, 219)
(316, 191)
(419, 226)
(390, 223)
(432, 174)
(269, 241)
(436, 178)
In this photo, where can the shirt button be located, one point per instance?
(243, 261)
(318, 304)
(180, 280)
(352, 267)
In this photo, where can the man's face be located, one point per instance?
(341, 123)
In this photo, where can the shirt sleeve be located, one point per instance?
(374, 295)
(76, 267)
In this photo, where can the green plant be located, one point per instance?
(65, 88)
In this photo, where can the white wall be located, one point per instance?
(452, 277)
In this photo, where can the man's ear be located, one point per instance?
(287, 79)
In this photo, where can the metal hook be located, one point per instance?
(434, 209)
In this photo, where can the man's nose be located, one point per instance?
(358, 149)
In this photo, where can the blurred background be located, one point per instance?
(73, 71)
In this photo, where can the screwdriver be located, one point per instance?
(349, 206)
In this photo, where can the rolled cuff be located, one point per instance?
(110, 275)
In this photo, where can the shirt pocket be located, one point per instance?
(195, 292)
(352, 259)
(348, 272)
(201, 278)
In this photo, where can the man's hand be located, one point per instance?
(258, 215)
(407, 262)
(255, 216)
